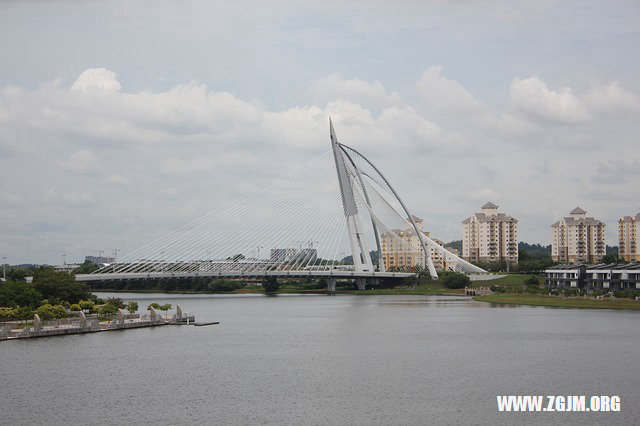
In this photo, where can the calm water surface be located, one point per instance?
(327, 360)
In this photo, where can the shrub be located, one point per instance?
(532, 280)
(47, 312)
(117, 302)
(87, 305)
(132, 307)
(224, 285)
(23, 313)
(456, 280)
(108, 309)
(271, 285)
(6, 313)
(533, 290)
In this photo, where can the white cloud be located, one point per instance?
(97, 80)
(532, 96)
(118, 180)
(444, 95)
(611, 99)
(190, 146)
(83, 162)
(177, 166)
(447, 95)
(371, 95)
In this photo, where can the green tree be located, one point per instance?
(86, 268)
(154, 305)
(16, 274)
(164, 308)
(23, 313)
(611, 258)
(108, 309)
(18, 293)
(132, 307)
(75, 307)
(48, 312)
(87, 305)
(58, 286)
(532, 281)
(6, 313)
(270, 285)
(224, 285)
(60, 312)
(456, 280)
(117, 302)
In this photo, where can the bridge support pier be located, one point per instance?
(331, 285)
(361, 283)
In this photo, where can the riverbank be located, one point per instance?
(558, 301)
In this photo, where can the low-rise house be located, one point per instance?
(602, 277)
(565, 276)
(613, 277)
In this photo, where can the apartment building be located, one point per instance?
(490, 236)
(629, 238)
(402, 250)
(578, 238)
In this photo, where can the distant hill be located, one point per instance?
(534, 251)
(526, 251)
(457, 244)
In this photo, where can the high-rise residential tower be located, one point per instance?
(578, 238)
(490, 236)
(629, 238)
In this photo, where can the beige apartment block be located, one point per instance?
(629, 238)
(578, 238)
(402, 251)
(490, 236)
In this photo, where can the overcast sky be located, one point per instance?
(123, 120)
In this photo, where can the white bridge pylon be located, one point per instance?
(309, 222)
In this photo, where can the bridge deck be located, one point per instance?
(239, 274)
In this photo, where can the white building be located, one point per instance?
(490, 236)
(578, 238)
(629, 238)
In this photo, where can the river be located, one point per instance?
(316, 359)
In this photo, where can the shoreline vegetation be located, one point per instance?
(523, 294)
(57, 295)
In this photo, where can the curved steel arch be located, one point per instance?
(432, 269)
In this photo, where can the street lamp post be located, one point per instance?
(115, 256)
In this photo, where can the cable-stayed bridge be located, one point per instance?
(336, 216)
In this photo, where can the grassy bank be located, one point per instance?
(510, 279)
(558, 301)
